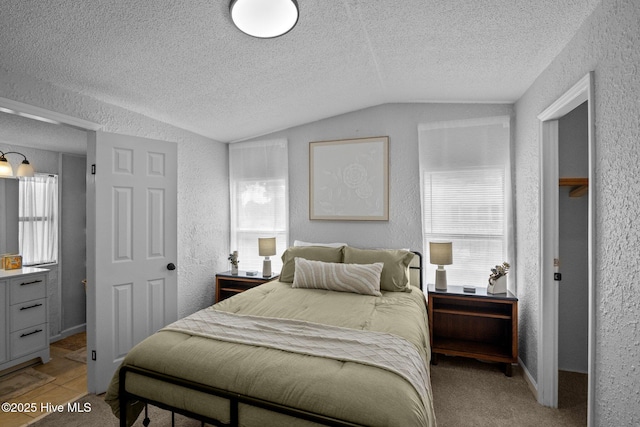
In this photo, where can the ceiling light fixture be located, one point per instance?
(264, 19)
(6, 170)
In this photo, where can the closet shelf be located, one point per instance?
(580, 186)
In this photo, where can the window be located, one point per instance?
(258, 179)
(466, 195)
(38, 219)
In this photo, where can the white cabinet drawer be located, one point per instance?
(28, 340)
(29, 313)
(28, 288)
(24, 324)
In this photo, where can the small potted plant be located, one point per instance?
(233, 259)
(498, 279)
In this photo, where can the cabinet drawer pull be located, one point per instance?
(31, 333)
(30, 283)
(31, 306)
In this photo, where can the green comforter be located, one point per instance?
(346, 390)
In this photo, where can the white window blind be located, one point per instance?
(466, 195)
(258, 179)
(38, 219)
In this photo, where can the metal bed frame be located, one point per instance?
(235, 399)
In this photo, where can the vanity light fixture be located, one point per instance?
(6, 170)
(264, 19)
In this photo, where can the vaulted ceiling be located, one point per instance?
(184, 63)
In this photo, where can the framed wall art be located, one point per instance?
(349, 179)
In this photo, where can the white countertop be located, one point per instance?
(21, 271)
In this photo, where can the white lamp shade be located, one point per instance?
(264, 18)
(25, 169)
(5, 168)
(440, 253)
(267, 246)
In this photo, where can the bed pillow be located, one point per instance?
(361, 279)
(330, 245)
(314, 253)
(396, 261)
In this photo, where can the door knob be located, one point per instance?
(171, 266)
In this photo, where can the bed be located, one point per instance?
(295, 351)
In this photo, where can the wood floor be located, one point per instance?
(70, 382)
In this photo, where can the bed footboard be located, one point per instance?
(234, 400)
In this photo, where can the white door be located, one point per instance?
(131, 247)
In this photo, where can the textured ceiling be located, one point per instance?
(20, 131)
(184, 63)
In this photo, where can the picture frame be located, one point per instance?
(11, 262)
(349, 179)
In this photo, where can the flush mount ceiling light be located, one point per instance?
(264, 19)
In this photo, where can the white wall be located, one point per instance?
(203, 195)
(72, 257)
(8, 215)
(399, 122)
(608, 44)
(573, 290)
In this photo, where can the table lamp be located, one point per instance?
(266, 248)
(440, 254)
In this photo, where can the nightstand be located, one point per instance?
(228, 285)
(478, 325)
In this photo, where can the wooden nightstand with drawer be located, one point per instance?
(478, 325)
(228, 285)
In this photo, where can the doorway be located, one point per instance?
(550, 257)
(60, 143)
(573, 302)
(132, 166)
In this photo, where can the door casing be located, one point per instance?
(547, 383)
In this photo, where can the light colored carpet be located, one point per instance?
(21, 382)
(468, 392)
(78, 355)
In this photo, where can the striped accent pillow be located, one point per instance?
(357, 278)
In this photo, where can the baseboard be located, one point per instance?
(68, 332)
(533, 386)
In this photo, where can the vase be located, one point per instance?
(234, 269)
(497, 286)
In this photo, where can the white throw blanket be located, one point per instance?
(377, 349)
